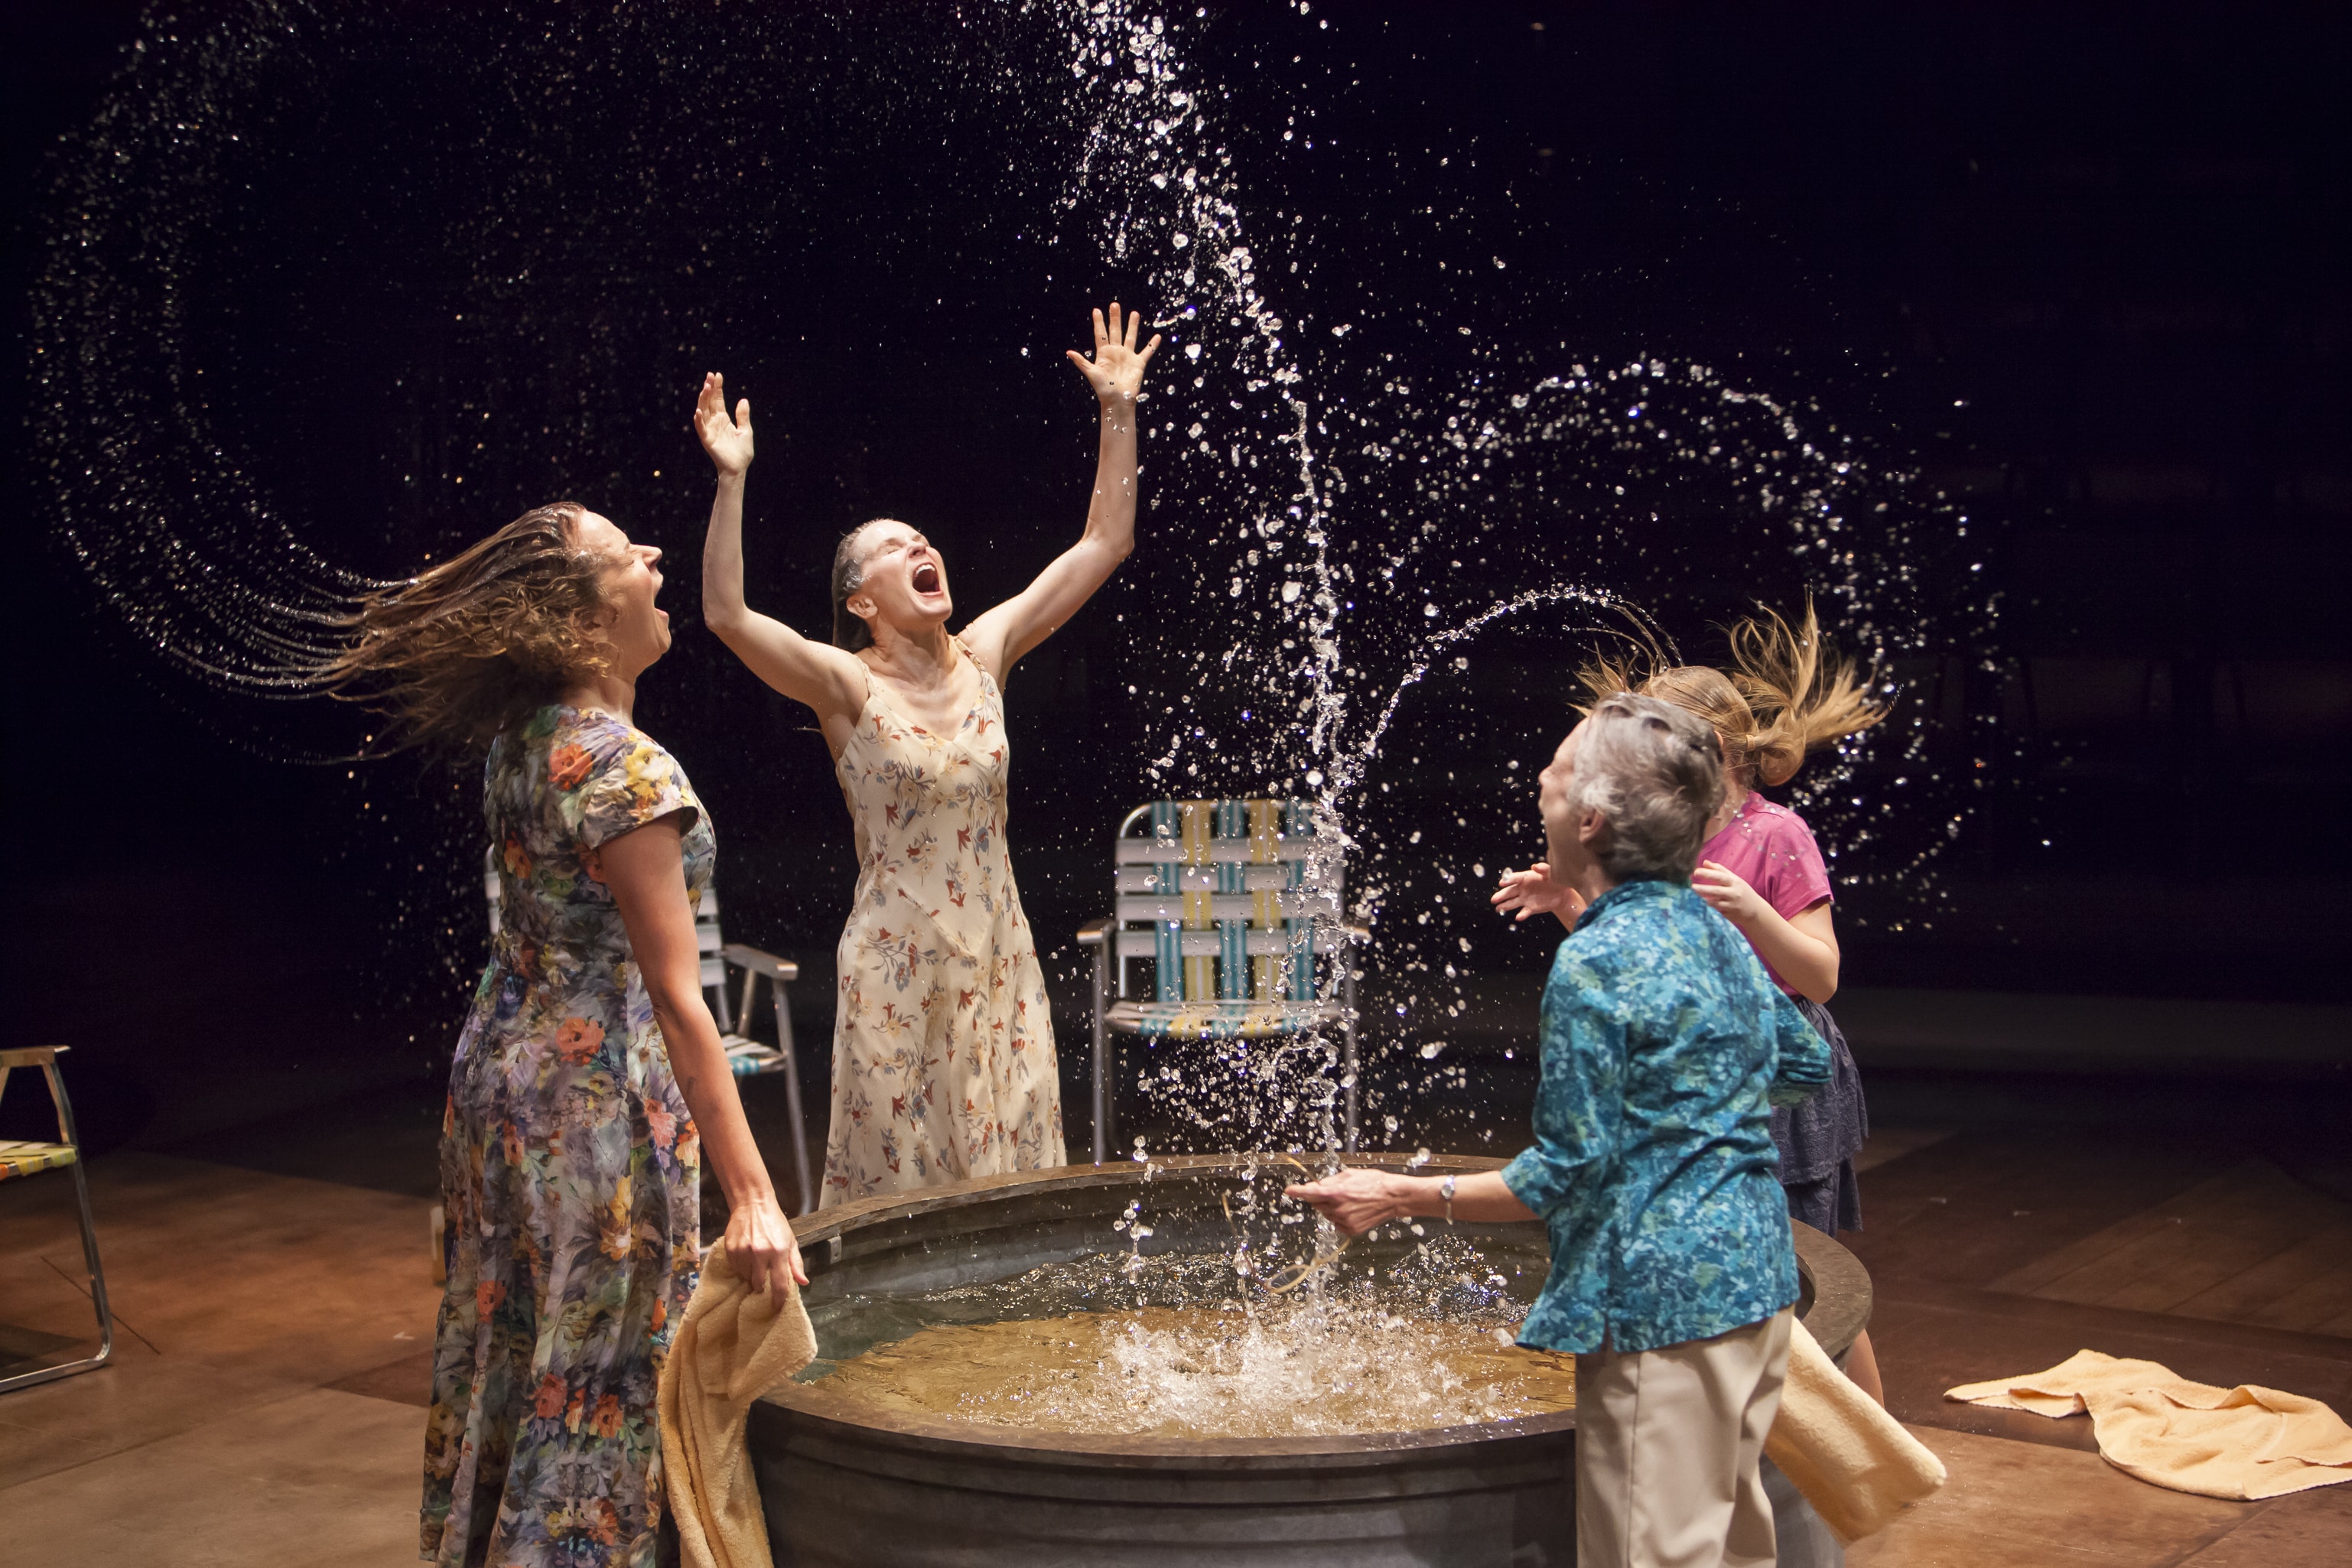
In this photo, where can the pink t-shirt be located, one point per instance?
(1773, 851)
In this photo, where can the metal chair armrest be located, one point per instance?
(759, 962)
(1094, 932)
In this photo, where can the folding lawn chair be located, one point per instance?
(19, 1160)
(1232, 901)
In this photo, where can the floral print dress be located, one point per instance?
(942, 1046)
(569, 1171)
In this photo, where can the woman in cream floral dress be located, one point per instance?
(589, 1079)
(943, 1061)
(945, 1065)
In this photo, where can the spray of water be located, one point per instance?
(1342, 461)
(1338, 503)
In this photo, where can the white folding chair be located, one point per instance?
(1232, 902)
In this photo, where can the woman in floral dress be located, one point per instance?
(589, 1079)
(943, 1059)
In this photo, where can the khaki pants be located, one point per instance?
(1667, 1446)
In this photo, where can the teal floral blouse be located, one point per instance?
(569, 1170)
(1664, 1044)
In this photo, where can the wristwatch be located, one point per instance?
(1445, 1191)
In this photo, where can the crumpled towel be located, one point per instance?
(734, 1345)
(1853, 1461)
(2245, 1443)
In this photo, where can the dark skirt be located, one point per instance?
(1819, 1139)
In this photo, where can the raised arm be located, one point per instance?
(1005, 633)
(826, 679)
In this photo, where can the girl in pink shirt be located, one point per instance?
(1785, 695)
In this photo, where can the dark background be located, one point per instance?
(2086, 267)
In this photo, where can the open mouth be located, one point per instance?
(927, 578)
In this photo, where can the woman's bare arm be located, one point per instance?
(647, 873)
(1002, 635)
(825, 678)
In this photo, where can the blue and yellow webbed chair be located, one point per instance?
(1232, 902)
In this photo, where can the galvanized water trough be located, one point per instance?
(857, 1489)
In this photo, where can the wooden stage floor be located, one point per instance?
(265, 1406)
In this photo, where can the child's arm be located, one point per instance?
(1803, 951)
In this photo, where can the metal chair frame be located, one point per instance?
(756, 965)
(1134, 931)
(45, 1059)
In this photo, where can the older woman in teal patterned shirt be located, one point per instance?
(1664, 1046)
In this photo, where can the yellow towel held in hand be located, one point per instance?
(1853, 1461)
(734, 1345)
(2244, 1443)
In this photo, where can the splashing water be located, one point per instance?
(1312, 1369)
(1420, 1340)
(1348, 485)
(1343, 462)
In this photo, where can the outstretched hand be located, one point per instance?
(1533, 892)
(1116, 373)
(729, 441)
(1354, 1199)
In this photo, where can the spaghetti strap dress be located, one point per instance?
(943, 1064)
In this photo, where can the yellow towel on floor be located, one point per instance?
(734, 1345)
(1854, 1463)
(2244, 1443)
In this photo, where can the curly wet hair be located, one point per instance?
(470, 648)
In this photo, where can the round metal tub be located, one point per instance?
(954, 1495)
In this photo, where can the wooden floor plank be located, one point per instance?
(2321, 1253)
(2251, 1244)
(2323, 1300)
(2032, 1278)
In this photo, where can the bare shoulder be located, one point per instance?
(847, 681)
(984, 640)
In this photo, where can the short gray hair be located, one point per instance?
(1654, 772)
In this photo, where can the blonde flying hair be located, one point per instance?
(466, 649)
(1786, 693)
